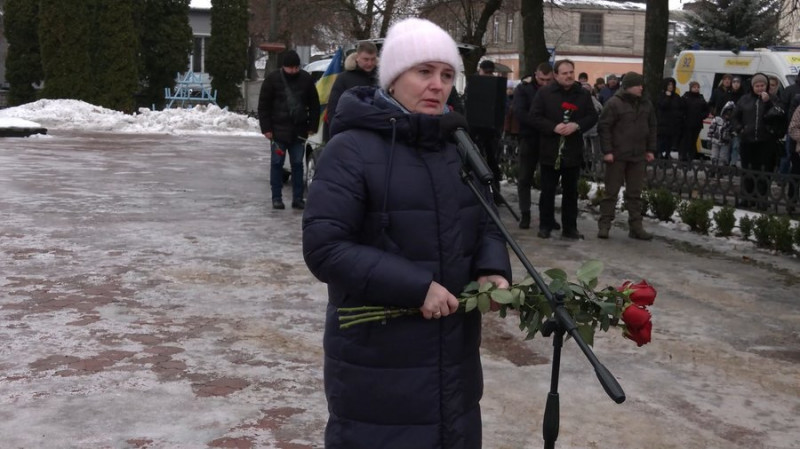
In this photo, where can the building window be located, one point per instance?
(510, 28)
(197, 63)
(496, 29)
(591, 32)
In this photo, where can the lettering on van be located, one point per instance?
(738, 62)
(793, 60)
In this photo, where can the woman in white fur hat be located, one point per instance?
(390, 223)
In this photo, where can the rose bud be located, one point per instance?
(642, 294)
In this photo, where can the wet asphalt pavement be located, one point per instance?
(151, 298)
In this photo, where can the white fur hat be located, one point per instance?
(411, 42)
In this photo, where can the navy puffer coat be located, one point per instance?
(387, 214)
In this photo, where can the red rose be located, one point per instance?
(643, 294)
(637, 324)
(641, 336)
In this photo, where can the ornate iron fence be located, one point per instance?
(725, 185)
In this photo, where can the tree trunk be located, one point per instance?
(476, 36)
(534, 51)
(655, 46)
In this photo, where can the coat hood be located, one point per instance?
(370, 108)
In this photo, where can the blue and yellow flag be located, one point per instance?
(325, 84)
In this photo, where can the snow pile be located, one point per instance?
(79, 115)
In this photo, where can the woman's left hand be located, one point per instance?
(497, 280)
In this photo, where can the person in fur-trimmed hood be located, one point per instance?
(359, 70)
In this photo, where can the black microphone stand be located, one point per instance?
(505, 203)
(557, 326)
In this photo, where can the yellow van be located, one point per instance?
(708, 66)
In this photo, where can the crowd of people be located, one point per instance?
(390, 222)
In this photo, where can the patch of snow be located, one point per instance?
(79, 115)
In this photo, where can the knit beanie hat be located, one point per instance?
(290, 59)
(411, 42)
(632, 79)
(758, 78)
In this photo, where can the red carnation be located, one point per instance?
(567, 106)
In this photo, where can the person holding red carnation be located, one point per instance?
(561, 161)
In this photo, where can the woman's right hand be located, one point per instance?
(438, 302)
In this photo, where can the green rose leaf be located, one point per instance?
(587, 333)
(486, 286)
(590, 271)
(502, 296)
(471, 304)
(484, 302)
(556, 274)
(472, 287)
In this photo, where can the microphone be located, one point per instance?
(455, 124)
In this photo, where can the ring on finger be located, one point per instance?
(437, 315)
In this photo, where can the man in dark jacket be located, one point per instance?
(560, 111)
(628, 132)
(528, 138)
(359, 70)
(288, 111)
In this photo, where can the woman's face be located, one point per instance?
(424, 88)
(773, 85)
(736, 84)
(695, 88)
(726, 82)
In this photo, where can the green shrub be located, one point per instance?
(583, 189)
(746, 226)
(782, 238)
(797, 235)
(695, 214)
(762, 230)
(662, 203)
(725, 220)
(598, 195)
(645, 201)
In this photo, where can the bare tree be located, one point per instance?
(470, 19)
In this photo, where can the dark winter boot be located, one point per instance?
(525, 221)
(637, 232)
(603, 229)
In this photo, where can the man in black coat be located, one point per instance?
(528, 138)
(560, 111)
(288, 111)
(359, 70)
